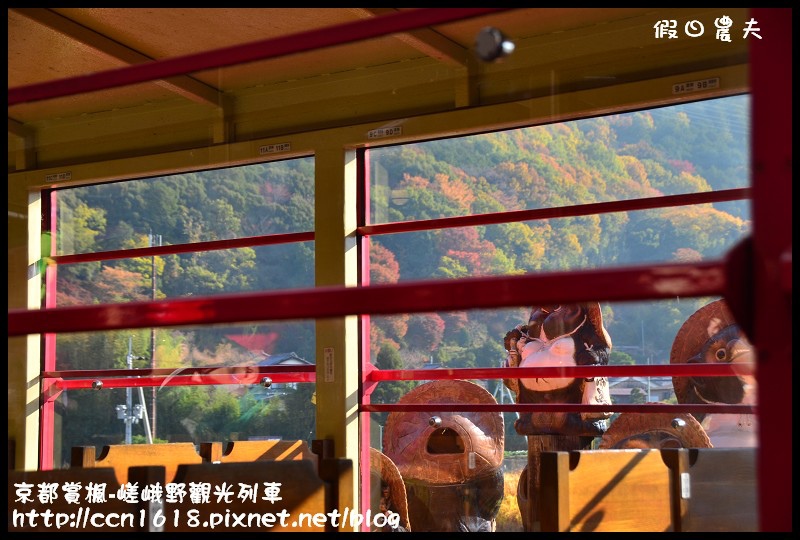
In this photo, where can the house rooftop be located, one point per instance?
(290, 359)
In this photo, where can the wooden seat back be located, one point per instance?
(311, 482)
(266, 450)
(252, 496)
(121, 457)
(113, 514)
(716, 489)
(604, 491)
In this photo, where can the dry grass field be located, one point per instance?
(509, 519)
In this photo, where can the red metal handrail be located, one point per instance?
(576, 210)
(665, 281)
(558, 407)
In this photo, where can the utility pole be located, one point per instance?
(648, 362)
(152, 240)
(503, 391)
(130, 413)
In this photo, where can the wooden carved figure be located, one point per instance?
(711, 335)
(557, 335)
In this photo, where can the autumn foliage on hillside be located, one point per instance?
(673, 150)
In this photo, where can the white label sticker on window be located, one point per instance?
(58, 177)
(686, 490)
(329, 364)
(695, 86)
(273, 148)
(384, 132)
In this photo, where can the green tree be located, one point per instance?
(638, 396)
(425, 331)
(289, 414)
(389, 391)
(619, 358)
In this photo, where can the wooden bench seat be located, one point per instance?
(716, 489)
(300, 497)
(284, 495)
(311, 482)
(25, 508)
(121, 457)
(649, 490)
(605, 491)
(267, 450)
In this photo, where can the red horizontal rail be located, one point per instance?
(122, 378)
(183, 380)
(252, 375)
(420, 225)
(557, 407)
(558, 212)
(665, 370)
(248, 52)
(213, 245)
(608, 284)
(378, 375)
(194, 370)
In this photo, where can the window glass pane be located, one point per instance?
(230, 402)
(205, 273)
(678, 150)
(674, 234)
(197, 413)
(657, 332)
(222, 204)
(689, 148)
(216, 345)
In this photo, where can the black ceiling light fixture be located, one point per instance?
(492, 44)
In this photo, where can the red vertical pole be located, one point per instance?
(771, 90)
(365, 442)
(47, 402)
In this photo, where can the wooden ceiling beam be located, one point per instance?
(425, 40)
(443, 49)
(183, 85)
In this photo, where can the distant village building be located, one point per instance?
(257, 346)
(284, 359)
(655, 389)
(281, 359)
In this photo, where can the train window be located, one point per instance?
(235, 230)
(386, 208)
(653, 186)
(656, 186)
(688, 148)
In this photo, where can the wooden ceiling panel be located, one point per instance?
(429, 69)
